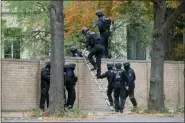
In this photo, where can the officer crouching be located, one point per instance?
(75, 52)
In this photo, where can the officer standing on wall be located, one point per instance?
(120, 81)
(103, 24)
(45, 84)
(93, 41)
(131, 85)
(70, 82)
(109, 74)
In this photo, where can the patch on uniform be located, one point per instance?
(129, 74)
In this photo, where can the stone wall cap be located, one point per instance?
(80, 59)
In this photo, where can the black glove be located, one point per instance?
(75, 79)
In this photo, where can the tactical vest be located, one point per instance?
(118, 76)
(93, 39)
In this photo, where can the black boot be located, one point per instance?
(116, 110)
(93, 69)
(98, 72)
(121, 110)
(70, 107)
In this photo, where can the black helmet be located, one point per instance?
(65, 67)
(72, 66)
(85, 30)
(118, 65)
(48, 64)
(126, 64)
(73, 49)
(110, 65)
(99, 13)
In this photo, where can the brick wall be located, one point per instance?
(21, 84)
(0, 82)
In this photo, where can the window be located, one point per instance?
(11, 44)
(135, 49)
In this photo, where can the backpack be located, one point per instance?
(94, 39)
(69, 77)
(107, 22)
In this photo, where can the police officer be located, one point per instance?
(75, 52)
(45, 84)
(109, 74)
(70, 82)
(104, 32)
(65, 69)
(120, 80)
(131, 86)
(93, 41)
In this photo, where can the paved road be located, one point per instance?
(100, 117)
(117, 119)
(137, 119)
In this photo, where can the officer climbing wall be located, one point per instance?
(120, 80)
(109, 74)
(93, 41)
(45, 84)
(103, 24)
(131, 85)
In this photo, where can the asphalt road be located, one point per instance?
(99, 117)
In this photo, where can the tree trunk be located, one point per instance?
(161, 29)
(184, 43)
(56, 106)
(156, 93)
(168, 38)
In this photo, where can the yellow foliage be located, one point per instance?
(82, 14)
(172, 4)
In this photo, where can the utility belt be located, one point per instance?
(105, 31)
(70, 85)
(118, 82)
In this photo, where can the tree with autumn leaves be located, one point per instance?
(160, 31)
(82, 13)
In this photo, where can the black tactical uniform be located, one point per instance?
(70, 82)
(45, 84)
(92, 41)
(109, 74)
(120, 80)
(104, 31)
(132, 77)
(65, 69)
(75, 52)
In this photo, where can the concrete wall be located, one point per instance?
(21, 84)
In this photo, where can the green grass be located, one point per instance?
(5, 118)
(37, 113)
(75, 112)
